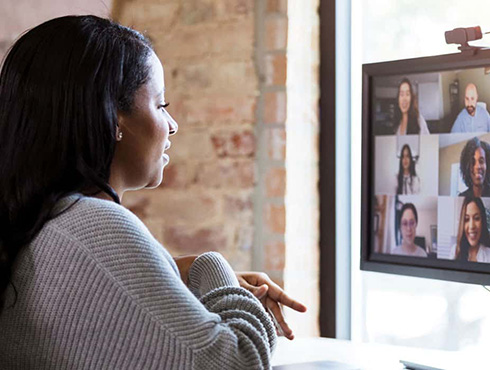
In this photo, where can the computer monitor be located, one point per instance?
(426, 167)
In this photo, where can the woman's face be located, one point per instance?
(473, 224)
(408, 226)
(406, 159)
(404, 97)
(140, 156)
(479, 168)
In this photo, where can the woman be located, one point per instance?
(407, 180)
(473, 243)
(408, 227)
(408, 119)
(473, 164)
(83, 284)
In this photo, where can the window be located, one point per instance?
(396, 309)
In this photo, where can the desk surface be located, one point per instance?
(370, 356)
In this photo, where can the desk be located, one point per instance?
(370, 356)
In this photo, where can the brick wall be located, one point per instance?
(225, 69)
(16, 16)
(206, 199)
(270, 211)
(229, 180)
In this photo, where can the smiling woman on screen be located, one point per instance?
(408, 120)
(473, 240)
(475, 168)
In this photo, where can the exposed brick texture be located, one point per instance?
(17, 16)
(276, 144)
(227, 174)
(274, 256)
(275, 216)
(216, 110)
(178, 207)
(276, 65)
(239, 207)
(225, 65)
(207, 50)
(277, 6)
(275, 107)
(276, 182)
(234, 143)
(276, 29)
(186, 240)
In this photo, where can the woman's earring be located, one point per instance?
(119, 135)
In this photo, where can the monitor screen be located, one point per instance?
(426, 167)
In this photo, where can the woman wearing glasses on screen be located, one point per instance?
(473, 238)
(473, 165)
(408, 119)
(408, 227)
(407, 180)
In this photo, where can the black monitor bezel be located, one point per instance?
(400, 265)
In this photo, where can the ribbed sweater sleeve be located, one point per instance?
(210, 271)
(97, 291)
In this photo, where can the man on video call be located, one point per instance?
(473, 118)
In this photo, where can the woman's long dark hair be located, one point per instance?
(61, 86)
(413, 126)
(400, 169)
(463, 246)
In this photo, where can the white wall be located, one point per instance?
(301, 272)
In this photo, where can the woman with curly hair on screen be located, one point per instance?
(475, 168)
(473, 240)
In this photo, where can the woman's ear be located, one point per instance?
(120, 123)
(119, 134)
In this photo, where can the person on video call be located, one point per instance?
(473, 118)
(407, 180)
(408, 227)
(473, 240)
(473, 166)
(407, 116)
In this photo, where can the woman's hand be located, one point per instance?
(184, 264)
(272, 297)
(260, 284)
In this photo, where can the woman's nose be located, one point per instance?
(172, 124)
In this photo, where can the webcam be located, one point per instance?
(463, 35)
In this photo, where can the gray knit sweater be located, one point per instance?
(97, 291)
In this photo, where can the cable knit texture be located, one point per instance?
(97, 291)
